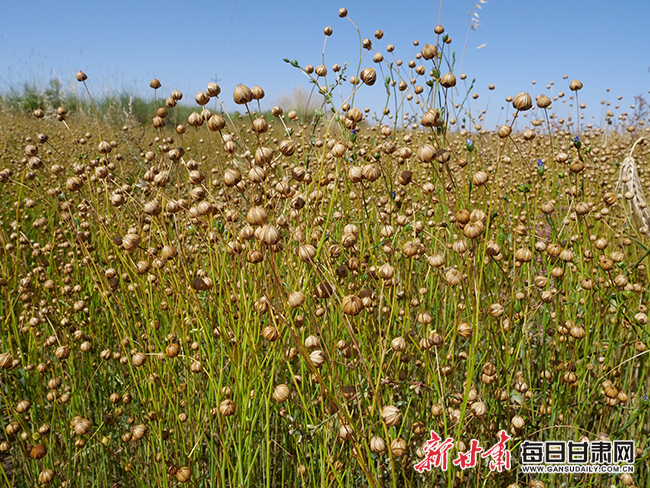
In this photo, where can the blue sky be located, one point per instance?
(121, 45)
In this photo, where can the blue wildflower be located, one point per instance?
(576, 142)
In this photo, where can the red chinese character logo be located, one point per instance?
(468, 459)
(499, 454)
(436, 453)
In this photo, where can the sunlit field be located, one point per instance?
(299, 297)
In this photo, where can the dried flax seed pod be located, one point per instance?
(23, 406)
(453, 277)
(81, 426)
(269, 235)
(324, 290)
(152, 207)
(391, 415)
(176, 153)
(346, 432)
(258, 92)
(281, 393)
(296, 299)
(436, 260)
(242, 94)
(472, 230)
(317, 358)
(371, 172)
(130, 242)
(496, 310)
(368, 76)
(213, 90)
(386, 272)
(227, 408)
(62, 352)
(231, 177)
(352, 305)
(448, 80)
(429, 51)
(547, 207)
(74, 183)
(46, 476)
(426, 153)
(609, 198)
(355, 114)
(172, 350)
(287, 147)
(138, 432)
(480, 178)
(377, 445)
(260, 125)
(138, 359)
(257, 216)
(6, 361)
(523, 254)
(263, 156)
(338, 150)
(216, 123)
(398, 344)
(39, 451)
(195, 120)
(184, 474)
(464, 330)
(431, 118)
(504, 131)
(270, 333)
(575, 85)
(399, 447)
(355, 174)
(202, 98)
(517, 423)
(543, 101)
(522, 102)
(306, 252)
